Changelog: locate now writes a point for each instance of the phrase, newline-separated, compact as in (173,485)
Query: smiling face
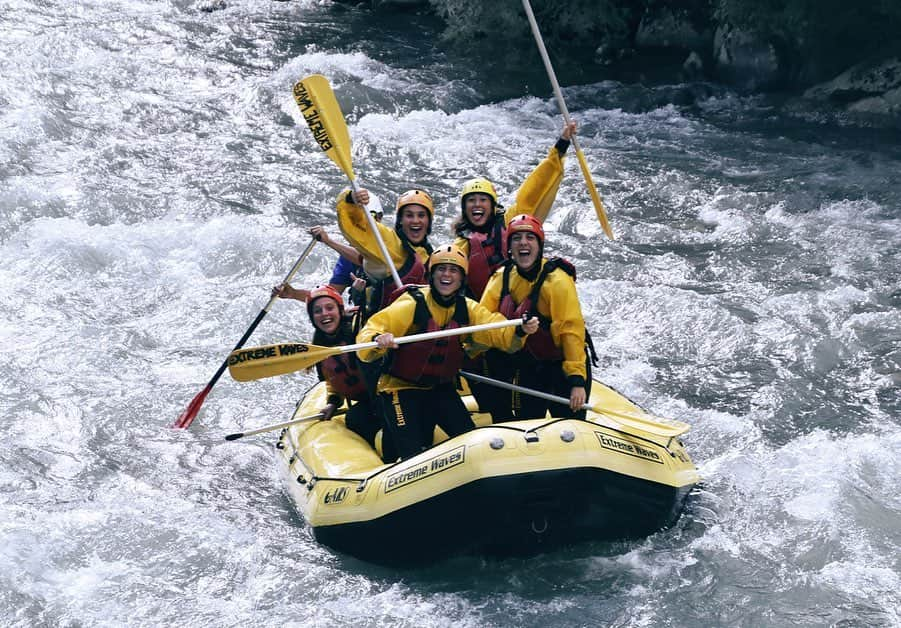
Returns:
(478,209)
(525,247)
(326,315)
(447,279)
(414,222)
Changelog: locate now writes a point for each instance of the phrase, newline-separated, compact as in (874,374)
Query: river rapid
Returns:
(156,180)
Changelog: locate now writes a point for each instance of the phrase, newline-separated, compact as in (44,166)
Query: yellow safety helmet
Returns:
(416,197)
(449,254)
(479,185)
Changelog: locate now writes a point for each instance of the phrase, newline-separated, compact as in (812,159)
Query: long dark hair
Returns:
(346,332)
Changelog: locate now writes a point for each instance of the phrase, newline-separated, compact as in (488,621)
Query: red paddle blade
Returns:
(184,420)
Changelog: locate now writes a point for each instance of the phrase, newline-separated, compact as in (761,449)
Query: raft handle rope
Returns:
(315,479)
(533,432)
(543,528)
(529,434)
(310,479)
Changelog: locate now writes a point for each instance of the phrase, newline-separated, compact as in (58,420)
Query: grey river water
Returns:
(156,180)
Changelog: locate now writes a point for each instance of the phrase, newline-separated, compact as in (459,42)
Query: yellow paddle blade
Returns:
(322,113)
(595,197)
(270,360)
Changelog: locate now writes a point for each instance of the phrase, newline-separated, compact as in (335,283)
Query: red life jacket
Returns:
(540,344)
(342,371)
(384,292)
(487,252)
(430,361)
(344,376)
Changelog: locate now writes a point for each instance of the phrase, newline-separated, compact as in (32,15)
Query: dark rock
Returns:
(693,67)
(667,27)
(871,87)
(607,54)
(746,61)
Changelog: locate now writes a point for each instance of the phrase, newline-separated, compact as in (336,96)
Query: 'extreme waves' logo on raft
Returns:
(426,469)
(261,353)
(625,447)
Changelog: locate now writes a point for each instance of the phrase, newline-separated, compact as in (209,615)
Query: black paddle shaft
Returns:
(240,344)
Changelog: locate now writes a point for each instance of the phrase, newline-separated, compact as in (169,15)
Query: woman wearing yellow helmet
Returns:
(481,227)
(416,390)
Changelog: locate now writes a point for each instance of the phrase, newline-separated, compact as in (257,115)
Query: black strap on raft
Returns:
(505,283)
(497,239)
(550,266)
(356,321)
(590,344)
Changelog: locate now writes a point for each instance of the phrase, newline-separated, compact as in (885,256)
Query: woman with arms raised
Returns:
(482,225)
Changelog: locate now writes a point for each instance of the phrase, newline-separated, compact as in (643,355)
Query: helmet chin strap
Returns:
(488,226)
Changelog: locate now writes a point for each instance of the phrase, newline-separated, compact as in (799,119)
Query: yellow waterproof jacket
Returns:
(536,195)
(558,302)
(355,229)
(397,319)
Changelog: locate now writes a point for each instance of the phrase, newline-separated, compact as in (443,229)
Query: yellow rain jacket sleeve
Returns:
(397,319)
(538,192)
(559,302)
(355,229)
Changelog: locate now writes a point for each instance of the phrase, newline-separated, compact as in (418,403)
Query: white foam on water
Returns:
(801,492)
(158,181)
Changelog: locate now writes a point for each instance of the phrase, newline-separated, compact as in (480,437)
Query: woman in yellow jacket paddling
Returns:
(554,359)
(417,387)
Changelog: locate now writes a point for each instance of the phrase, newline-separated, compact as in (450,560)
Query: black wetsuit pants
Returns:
(412,414)
(545,376)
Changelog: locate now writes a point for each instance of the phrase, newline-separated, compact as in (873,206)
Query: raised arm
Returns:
(344,250)
(538,192)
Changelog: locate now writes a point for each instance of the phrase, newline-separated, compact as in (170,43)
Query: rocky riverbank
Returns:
(844,55)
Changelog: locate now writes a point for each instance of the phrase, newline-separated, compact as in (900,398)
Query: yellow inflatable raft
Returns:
(508,488)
